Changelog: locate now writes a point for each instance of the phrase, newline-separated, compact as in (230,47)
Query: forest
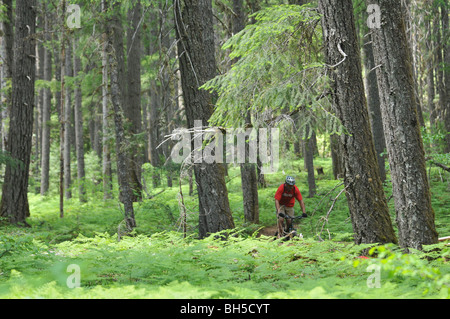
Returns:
(142,144)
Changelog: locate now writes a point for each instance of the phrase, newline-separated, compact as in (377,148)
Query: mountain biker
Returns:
(285,198)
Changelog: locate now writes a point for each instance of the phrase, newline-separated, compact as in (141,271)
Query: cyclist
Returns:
(285,198)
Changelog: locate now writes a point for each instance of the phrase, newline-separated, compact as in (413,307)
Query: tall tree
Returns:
(133,106)
(438,41)
(8,43)
(195,35)
(308,145)
(367,203)
(14,203)
(67,115)
(46,107)
(373,103)
(446,59)
(61,96)
(249,179)
(106,153)
(430,69)
(117,75)
(78,119)
(415,216)
(154,113)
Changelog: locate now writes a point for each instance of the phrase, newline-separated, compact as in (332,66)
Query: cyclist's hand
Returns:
(304,215)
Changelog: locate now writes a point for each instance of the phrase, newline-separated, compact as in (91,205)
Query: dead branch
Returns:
(325,219)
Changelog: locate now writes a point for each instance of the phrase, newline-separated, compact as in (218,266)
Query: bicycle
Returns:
(289,232)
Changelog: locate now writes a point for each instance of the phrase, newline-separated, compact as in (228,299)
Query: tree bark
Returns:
(336,156)
(411,191)
(440,88)
(62,74)
(14,203)
(309,161)
(249,181)
(411,41)
(46,112)
(78,114)
(133,108)
(106,153)
(373,103)
(115,59)
(366,200)
(67,122)
(154,114)
(8,39)
(195,34)
(446,58)
(430,72)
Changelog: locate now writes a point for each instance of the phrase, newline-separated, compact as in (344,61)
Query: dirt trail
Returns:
(268,231)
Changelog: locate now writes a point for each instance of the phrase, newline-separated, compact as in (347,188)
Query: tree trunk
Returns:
(67,123)
(249,181)
(133,109)
(166,88)
(367,204)
(106,153)
(336,157)
(79,144)
(411,41)
(61,106)
(446,58)
(8,39)
(430,73)
(373,103)
(40,64)
(439,59)
(154,113)
(309,162)
(14,203)
(115,59)
(415,216)
(195,35)
(46,112)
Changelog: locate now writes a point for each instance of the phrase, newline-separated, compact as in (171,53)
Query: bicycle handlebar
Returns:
(290,217)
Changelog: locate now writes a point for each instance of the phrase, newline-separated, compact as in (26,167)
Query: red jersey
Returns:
(288,198)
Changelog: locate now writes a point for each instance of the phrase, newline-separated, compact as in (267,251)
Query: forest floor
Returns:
(156,261)
(268,231)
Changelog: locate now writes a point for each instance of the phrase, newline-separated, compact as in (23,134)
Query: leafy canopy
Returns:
(277,70)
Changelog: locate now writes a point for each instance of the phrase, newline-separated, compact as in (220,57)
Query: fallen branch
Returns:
(444,238)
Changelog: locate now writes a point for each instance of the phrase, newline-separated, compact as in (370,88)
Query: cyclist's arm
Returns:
(277,198)
(277,205)
(302,205)
(299,197)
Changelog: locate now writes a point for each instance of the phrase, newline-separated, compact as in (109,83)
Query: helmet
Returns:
(290,180)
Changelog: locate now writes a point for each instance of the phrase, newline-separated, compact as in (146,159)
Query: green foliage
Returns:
(165,265)
(434,141)
(414,268)
(155,261)
(278,69)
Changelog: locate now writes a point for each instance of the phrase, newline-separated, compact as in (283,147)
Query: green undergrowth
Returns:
(156,261)
(166,265)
